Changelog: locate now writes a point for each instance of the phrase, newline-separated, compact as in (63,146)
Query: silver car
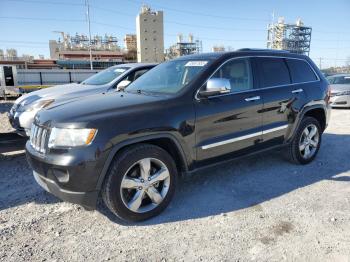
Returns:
(340,90)
(22,113)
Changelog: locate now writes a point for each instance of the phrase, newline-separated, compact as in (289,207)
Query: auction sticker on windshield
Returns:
(196,63)
(119,70)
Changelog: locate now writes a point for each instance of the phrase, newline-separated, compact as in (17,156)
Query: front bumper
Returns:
(70,177)
(86,199)
(340,101)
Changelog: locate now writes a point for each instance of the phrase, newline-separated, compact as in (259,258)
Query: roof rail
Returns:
(262,50)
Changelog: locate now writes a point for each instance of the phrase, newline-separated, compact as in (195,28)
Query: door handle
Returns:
(297,91)
(253,98)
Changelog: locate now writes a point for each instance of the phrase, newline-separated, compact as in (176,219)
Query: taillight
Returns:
(328,97)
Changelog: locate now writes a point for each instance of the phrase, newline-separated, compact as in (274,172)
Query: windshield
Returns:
(105,76)
(169,77)
(334,80)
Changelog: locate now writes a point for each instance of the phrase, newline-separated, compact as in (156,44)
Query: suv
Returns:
(22,113)
(194,111)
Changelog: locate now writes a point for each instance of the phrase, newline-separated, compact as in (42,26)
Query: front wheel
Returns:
(306,142)
(140,183)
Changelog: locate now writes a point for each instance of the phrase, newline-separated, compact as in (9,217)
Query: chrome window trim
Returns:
(240,138)
(263,88)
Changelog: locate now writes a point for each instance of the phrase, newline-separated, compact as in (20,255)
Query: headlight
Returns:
(344,93)
(38,105)
(66,137)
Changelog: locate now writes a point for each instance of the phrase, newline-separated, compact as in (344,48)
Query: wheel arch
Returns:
(165,141)
(318,111)
(319,114)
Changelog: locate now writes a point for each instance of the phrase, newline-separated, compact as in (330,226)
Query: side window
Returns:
(130,77)
(140,73)
(300,71)
(238,72)
(273,72)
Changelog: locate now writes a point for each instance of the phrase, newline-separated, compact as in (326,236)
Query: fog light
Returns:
(61,175)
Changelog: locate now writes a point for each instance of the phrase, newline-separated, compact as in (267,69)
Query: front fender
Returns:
(116,148)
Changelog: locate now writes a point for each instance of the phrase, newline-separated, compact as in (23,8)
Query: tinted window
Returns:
(238,72)
(136,74)
(300,71)
(273,72)
(139,73)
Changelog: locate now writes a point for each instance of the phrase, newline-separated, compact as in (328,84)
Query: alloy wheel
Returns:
(145,185)
(309,141)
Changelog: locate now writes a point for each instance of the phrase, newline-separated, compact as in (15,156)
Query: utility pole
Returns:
(88,20)
(320,63)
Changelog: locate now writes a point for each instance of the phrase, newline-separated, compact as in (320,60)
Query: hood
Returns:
(95,107)
(63,92)
(340,88)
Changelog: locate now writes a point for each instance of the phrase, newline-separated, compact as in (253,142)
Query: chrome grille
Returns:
(38,138)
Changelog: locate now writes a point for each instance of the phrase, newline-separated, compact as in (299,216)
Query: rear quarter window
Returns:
(300,71)
(273,72)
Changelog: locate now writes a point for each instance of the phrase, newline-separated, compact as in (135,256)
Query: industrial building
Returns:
(73,51)
(130,42)
(218,49)
(182,47)
(11,58)
(150,35)
(11,54)
(295,38)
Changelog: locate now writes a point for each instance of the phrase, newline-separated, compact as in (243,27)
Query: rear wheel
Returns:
(306,142)
(140,183)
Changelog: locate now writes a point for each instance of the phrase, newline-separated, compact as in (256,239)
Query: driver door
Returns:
(230,122)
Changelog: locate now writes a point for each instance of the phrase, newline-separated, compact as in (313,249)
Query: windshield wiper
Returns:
(137,91)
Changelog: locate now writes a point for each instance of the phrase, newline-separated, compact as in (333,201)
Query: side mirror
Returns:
(123,84)
(216,86)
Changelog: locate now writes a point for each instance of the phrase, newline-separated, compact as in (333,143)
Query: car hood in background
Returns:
(73,90)
(339,88)
(64,92)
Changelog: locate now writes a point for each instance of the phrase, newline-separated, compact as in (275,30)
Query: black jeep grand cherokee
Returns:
(182,115)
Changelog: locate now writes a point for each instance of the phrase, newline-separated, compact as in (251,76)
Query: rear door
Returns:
(229,122)
(304,78)
(282,98)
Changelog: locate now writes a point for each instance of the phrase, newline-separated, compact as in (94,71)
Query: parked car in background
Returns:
(183,115)
(22,113)
(340,90)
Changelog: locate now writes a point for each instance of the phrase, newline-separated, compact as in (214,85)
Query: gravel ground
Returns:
(260,208)
(5,107)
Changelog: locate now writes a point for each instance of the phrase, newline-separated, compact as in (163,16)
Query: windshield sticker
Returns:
(196,63)
(119,70)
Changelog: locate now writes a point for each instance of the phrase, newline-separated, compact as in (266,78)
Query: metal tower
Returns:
(295,38)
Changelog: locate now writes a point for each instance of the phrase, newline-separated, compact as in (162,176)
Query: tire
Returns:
(122,195)
(294,153)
